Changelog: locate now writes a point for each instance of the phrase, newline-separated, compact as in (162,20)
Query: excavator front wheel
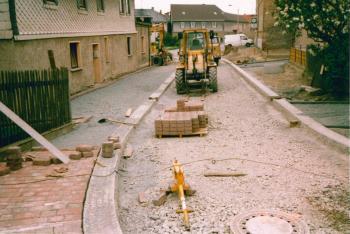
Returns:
(180,81)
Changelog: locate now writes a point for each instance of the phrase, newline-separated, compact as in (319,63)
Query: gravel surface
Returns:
(285,167)
(112,102)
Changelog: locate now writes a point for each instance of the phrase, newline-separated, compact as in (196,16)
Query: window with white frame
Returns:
(182,25)
(100,5)
(75,57)
(82,4)
(204,24)
(127,7)
(213,24)
(52,2)
(122,6)
(193,24)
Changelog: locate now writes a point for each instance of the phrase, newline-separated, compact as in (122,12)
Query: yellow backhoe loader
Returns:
(159,55)
(196,67)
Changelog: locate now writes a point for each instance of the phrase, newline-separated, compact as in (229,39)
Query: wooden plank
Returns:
(15,118)
(201,132)
(224,174)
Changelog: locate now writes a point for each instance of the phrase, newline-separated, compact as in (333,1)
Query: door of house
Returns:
(96,62)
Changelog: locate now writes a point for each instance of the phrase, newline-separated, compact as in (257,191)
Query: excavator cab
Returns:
(196,62)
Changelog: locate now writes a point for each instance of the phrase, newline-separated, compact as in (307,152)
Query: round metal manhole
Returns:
(268,222)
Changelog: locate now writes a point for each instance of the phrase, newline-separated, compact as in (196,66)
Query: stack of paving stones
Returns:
(187,118)
(84,151)
(14,158)
(44,158)
(116,142)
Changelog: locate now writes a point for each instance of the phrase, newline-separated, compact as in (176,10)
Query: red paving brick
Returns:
(49,201)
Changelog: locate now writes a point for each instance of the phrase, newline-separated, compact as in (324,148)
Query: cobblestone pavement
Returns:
(32,201)
(286,168)
(112,102)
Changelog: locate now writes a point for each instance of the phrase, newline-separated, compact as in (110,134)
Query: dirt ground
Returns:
(286,169)
(288,83)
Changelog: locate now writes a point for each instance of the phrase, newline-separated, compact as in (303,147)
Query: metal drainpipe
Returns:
(13,17)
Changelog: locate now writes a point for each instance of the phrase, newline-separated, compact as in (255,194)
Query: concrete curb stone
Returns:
(292,113)
(100,213)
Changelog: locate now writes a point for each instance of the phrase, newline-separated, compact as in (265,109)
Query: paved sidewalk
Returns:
(112,102)
(33,201)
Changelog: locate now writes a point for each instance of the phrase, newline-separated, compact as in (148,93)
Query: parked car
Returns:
(238,40)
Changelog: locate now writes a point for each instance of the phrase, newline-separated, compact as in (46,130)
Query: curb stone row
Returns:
(292,113)
(100,213)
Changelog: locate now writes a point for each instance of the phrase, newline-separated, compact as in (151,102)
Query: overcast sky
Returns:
(244,6)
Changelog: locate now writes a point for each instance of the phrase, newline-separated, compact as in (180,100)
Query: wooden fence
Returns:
(41,98)
(298,56)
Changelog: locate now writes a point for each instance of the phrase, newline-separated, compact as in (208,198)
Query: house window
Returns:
(122,6)
(51,2)
(182,25)
(193,24)
(142,45)
(75,58)
(107,56)
(100,5)
(127,8)
(213,24)
(128,40)
(82,4)
(204,24)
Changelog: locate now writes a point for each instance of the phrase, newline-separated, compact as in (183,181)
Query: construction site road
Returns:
(282,168)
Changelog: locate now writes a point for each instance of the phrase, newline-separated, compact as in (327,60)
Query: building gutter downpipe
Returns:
(13,17)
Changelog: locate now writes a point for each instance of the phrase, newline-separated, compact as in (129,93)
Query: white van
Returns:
(238,40)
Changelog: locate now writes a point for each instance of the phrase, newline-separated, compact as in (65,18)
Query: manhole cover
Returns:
(268,222)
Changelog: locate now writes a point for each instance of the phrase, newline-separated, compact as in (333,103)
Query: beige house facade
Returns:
(268,36)
(96,40)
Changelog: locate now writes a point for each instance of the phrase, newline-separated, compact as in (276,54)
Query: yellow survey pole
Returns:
(180,188)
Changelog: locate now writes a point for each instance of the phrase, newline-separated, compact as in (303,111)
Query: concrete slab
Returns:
(323,133)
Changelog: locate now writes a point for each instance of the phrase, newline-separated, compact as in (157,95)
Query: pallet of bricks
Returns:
(188,118)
